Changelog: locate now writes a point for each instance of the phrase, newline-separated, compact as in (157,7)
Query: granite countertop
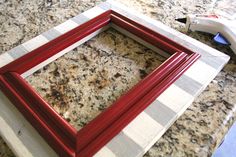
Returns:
(203,125)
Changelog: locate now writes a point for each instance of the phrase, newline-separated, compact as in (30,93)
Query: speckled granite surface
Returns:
(201,128)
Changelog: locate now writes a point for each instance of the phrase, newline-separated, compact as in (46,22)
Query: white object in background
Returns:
(225,30)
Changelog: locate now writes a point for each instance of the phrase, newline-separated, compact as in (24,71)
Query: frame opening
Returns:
(97,73)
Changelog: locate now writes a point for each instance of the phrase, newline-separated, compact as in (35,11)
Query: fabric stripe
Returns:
(201,72)
(135,129)
(80,19)
(51,34)
(214,62)
(95,11)
(123,146)
(18,51)
(160,113)
(105,152)
(105,6)
(174,98)
(188,85)
(5,58)
(35,43)
(66,26)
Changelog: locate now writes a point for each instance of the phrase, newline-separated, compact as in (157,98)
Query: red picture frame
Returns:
(57,132)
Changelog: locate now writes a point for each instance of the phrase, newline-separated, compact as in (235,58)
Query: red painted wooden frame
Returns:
(58,133)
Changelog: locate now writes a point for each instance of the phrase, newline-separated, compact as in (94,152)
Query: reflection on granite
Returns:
(87,80)
(202,126)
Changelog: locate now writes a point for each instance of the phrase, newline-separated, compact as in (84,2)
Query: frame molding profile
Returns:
(57,132)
